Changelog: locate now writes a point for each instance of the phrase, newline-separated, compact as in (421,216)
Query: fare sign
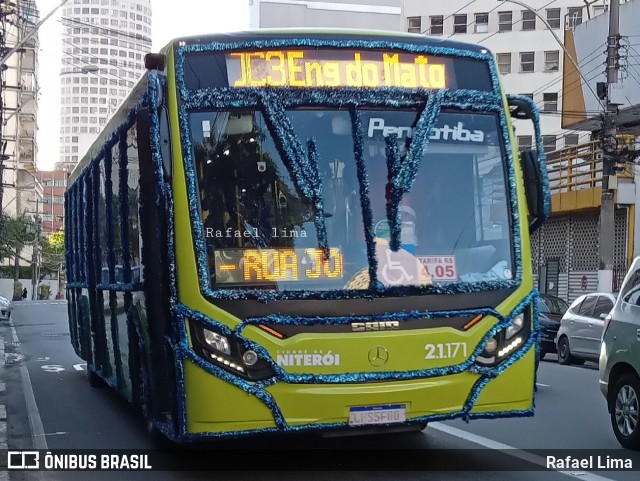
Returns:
(335,68)
(441,268)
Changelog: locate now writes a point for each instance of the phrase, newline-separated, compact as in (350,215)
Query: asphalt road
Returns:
(50,405)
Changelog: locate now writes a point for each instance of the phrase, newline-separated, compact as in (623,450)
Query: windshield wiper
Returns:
(402,171)
(302,164)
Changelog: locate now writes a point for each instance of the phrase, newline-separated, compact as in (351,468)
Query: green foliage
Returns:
(7,272)
(44,291)
(52,252)
(16,233)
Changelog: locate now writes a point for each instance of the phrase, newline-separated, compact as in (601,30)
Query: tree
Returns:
(52,252)
(17,233)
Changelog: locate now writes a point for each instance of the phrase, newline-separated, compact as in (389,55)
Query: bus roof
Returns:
(329,34)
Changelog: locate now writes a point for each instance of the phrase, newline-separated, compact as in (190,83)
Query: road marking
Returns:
(52,368)
(542,385)
(35,421)
(512,451)
(42,359)
(80,367)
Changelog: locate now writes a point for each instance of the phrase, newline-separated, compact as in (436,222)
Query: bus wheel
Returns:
(94,380)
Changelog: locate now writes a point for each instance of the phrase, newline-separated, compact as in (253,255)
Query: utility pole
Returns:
(35,274)
(609,155)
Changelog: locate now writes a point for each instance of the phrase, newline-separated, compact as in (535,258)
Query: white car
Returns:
(5,308)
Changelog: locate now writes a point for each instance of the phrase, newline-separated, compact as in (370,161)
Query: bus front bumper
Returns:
(215,407)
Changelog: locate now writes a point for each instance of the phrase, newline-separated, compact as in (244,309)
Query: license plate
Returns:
(381,414)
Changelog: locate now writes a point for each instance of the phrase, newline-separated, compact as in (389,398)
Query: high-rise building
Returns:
(103,48)
(529,57)
(18,108)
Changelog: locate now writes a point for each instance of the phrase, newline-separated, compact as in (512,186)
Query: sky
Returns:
(170,19)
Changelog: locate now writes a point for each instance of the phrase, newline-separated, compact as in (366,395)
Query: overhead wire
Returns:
(116,34)
(514,23)
(449,16)
(100,58)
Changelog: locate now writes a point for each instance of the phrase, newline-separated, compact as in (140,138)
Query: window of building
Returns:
(525,142)
(549,143)
(553,17)
(505,21)
(528,20)
(482,23)
(574,18)
(571,139)
(414,24)
(552,61)
(436,23)
(550,102)
(504,63)
(460,23)
(527,61)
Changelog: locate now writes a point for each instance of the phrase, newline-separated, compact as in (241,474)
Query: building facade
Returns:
(373,14)
(103,48)
(54,183)
(529,57)
(21,191)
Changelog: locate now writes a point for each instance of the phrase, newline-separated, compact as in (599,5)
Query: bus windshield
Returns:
(260,228)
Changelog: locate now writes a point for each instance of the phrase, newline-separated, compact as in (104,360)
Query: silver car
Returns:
(581,328)
(620,361)
(5,308)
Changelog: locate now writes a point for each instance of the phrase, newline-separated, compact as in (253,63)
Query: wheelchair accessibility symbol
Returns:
(399,268)
(394,273)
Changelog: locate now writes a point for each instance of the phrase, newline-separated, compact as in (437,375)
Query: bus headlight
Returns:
(226,352)
(506,341)
(515,327)
(217,341)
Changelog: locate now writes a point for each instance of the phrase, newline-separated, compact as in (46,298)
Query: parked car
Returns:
(5,308)
(550,312)
(581,328)
(620,361)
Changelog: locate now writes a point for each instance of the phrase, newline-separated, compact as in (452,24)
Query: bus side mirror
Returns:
(533,188)
(533,163)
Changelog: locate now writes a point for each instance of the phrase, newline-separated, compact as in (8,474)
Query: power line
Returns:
(100,58)
(560,78)
(113,32)
(514,23)
(451,15)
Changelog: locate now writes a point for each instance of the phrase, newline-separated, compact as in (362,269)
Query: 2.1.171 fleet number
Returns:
(445,350)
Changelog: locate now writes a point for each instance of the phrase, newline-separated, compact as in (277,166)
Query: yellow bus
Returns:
(290,230)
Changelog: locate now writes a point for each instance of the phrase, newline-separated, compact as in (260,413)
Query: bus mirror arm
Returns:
(520,109)
(534,190)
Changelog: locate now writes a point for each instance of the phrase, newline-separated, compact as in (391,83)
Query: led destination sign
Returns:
(336,68)
(259,266)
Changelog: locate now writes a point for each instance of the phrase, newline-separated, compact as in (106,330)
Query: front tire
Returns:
(625,409)
(564,353)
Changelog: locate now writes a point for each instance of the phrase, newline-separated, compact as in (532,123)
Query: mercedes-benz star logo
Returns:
(378,356)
